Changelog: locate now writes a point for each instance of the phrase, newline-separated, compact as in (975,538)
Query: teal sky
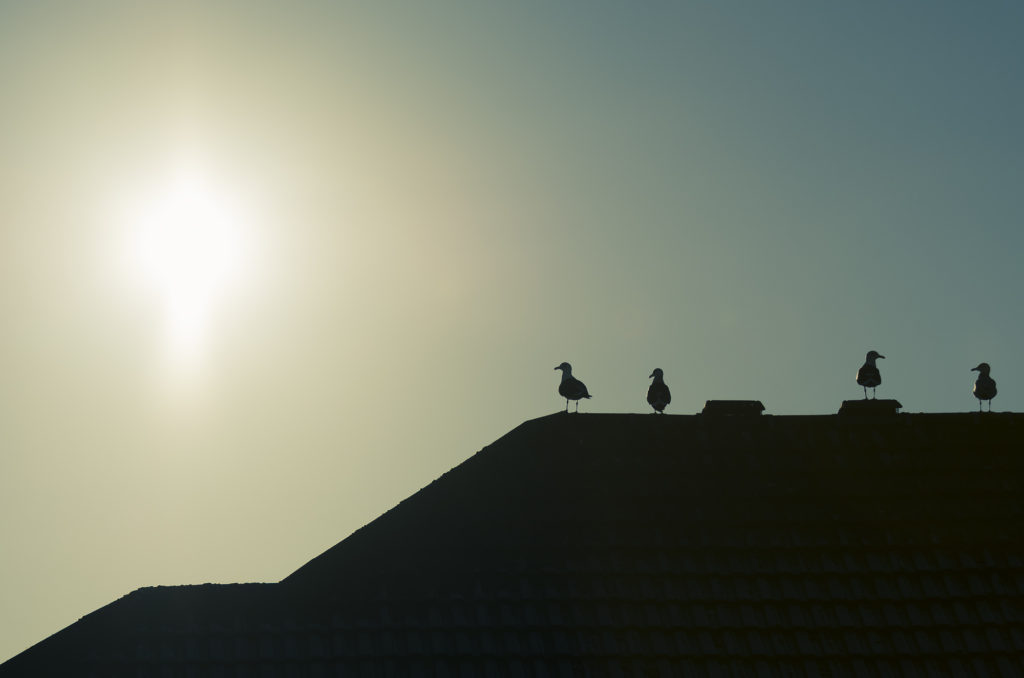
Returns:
(432,205)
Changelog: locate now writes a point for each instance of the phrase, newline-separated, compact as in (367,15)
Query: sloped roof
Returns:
(634,545)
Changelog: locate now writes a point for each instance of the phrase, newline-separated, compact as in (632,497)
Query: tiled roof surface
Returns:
(605,545)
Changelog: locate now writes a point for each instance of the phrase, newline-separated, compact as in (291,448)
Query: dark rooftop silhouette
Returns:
(634,545)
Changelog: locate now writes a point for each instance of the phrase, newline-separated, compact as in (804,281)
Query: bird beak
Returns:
(881,356)
(974,369)
(650,375)
(557,367)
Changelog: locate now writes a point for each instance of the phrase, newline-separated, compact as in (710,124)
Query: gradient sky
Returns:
(433,204)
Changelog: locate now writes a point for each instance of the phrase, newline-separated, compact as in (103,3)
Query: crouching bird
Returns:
(571,388)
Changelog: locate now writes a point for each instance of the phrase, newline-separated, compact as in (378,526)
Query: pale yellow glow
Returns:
(189,247)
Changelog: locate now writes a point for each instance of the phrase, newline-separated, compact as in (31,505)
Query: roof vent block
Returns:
(870,408)
(733,408)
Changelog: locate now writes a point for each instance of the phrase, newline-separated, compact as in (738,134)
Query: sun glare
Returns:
(189,246)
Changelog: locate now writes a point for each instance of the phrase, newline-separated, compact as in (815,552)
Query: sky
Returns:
(268,268)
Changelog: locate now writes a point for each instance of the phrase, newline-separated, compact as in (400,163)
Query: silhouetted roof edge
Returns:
(169,604)
(523,428)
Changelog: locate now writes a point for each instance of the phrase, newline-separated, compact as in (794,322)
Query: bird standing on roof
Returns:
(985,386)
(658,395)
(571,388)
(868,375)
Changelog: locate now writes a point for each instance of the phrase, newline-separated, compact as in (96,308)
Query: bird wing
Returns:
(869,376)
(658,394)
(985,388)
(573,389)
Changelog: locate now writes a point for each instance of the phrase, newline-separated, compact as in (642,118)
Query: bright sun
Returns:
(188,244)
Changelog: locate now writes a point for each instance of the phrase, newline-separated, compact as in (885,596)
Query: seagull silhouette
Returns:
(571,388)
(658,395)
(868,375)
(985,386)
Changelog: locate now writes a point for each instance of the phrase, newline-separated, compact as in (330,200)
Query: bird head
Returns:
(656,373)
(872,355)
(565,367)
(983,368)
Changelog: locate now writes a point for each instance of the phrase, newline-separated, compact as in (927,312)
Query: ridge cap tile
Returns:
(1017,638)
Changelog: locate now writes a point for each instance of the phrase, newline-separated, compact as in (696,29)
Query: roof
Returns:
(634,545)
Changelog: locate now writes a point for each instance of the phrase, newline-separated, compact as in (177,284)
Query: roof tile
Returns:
(879,643)
(846,616)
(974,641)
(979,585)
(1017,638)
(808,644)
(870,616)
(1003,585)
(983,667)
(758,643)
(888,669)
(965,614)
(784,644)
(998,639)
(707,643)
(895,615)
(1010,666)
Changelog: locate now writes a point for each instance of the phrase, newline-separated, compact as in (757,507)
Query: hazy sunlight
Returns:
(189,248)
